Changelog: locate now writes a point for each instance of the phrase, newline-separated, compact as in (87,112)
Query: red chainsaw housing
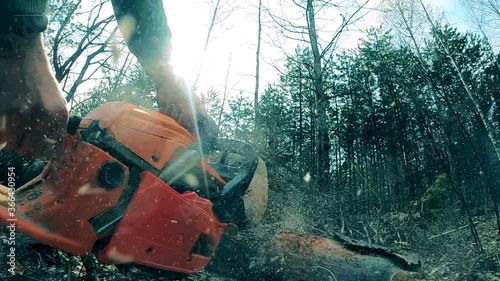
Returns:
(57,210)
(160,227)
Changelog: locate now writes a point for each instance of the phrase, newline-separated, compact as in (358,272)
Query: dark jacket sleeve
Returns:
(144,26)
(22,17)
(26,7)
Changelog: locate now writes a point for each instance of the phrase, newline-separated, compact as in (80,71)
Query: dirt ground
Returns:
(452,256)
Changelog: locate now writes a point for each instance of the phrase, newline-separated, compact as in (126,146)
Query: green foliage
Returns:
(398,121)
(238,120)
(438,194)
(213,103)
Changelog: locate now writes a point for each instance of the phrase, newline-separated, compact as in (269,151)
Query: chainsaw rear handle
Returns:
(238,177)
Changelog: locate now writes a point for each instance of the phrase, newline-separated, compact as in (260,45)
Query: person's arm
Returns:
(33,112)
(144,26)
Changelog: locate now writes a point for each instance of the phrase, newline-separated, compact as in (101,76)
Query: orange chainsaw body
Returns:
(111,194)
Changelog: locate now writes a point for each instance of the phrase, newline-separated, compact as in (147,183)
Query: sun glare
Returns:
(185,62)
(187,20)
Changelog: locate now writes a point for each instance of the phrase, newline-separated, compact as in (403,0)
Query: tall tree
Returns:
(220,11)
(322,57)
(257,73)
(467,87)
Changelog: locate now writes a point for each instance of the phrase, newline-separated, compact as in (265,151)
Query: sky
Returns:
(235,39)
(231,51)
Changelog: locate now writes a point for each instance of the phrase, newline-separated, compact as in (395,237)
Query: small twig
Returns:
(79,275)
(31,278)
(367,235)
(450,231)
(90,267)
(357,231)
(374,230)
(35,179)
(69,271)
(399,236)
(38,260)
(331,273)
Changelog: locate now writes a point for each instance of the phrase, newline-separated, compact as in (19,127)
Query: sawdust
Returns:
(37,192)
(306,246)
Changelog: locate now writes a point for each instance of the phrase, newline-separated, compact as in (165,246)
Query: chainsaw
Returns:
(134,187)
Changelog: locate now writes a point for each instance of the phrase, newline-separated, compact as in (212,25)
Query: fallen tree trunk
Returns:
(296,256)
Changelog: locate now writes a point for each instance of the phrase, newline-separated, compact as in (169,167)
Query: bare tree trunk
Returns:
(221,11)
(219,120)
(88,62)
(57,39)
(76,41)
(447,167)
(256,132)
(407,16)
(323,141)
(207,41)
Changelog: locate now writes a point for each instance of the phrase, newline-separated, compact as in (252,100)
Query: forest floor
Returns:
(455,256)
(451,256)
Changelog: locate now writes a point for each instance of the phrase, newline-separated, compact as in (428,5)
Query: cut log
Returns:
(296,256)
(304,257)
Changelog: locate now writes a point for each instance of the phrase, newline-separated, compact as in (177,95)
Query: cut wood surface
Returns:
(256,196)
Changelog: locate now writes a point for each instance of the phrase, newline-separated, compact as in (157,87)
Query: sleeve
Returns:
(144,26)
(23,17)
(27,7)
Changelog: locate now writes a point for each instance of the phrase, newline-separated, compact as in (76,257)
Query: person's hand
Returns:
(175,98)
(33,113)
(35,133)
